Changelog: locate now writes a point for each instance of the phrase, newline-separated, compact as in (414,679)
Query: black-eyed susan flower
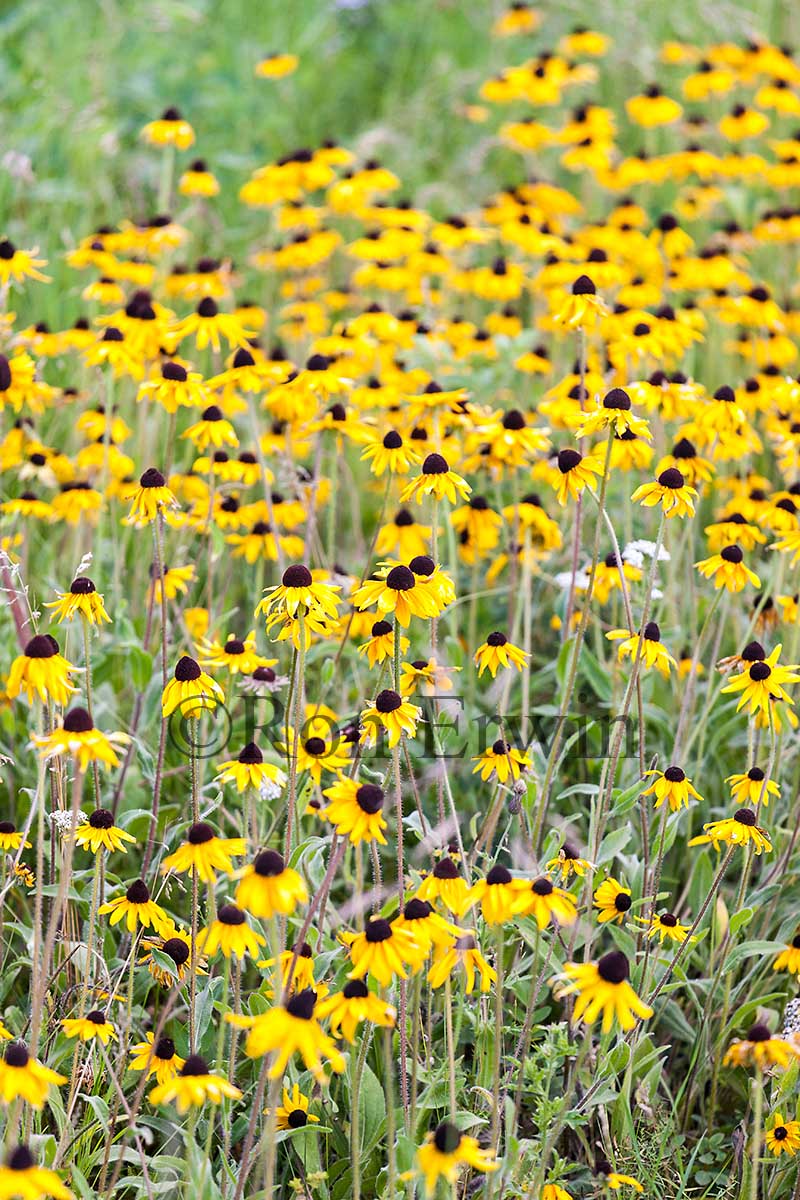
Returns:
(94,1025)
(293,1112)
(277,66)
(82,599)
(383,951)
(267,886)
(296,969)
(612,412)
(21,1177)
(653,108)
(41,670)
(18,265)
(249,770)
(230,934)
(403,536)
(762,683)
(603,987)
(752,787)
(446,883)
(437,480)
(170,129)
(209,325)
(789,957)
(176,945)
(499,895)
(391,453)
(545,902)
(197,180)
(191,690)
(782,1136)
(23,1077)
(380,645)
(496,652)
(576,472)
(463,955)
(351,1006)
(151,498)
(666,927)
(613,1180)
(583,307)
(426,926)
(397,590)
(137,908)
(612,901)
(77,736)
(11,838)
(100,833)
(501,760)
(739,830)
(320,748)
(389,712)
(204,852)
(174,388)
(356,810)
(237,655)
(299,590)
(728,570)
(671,491)
(761,1047)
(568,862)
(446,1151)
(652,653)
(287,1029)
(671,785)
(193,1086)
(158,1058)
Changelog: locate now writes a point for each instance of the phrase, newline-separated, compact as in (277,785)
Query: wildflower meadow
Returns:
(399,616)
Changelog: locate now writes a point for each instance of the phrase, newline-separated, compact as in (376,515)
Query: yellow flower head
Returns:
(20,1176)
(157,1058)
(287,1029)
(762,1048)
(94,1025)
(82,599)
(170,129)
(739,830)
(671,491)
(230,934)
(391,713)
(673,786)
(100,833)
(78,737)
(150,499)
(728,570)
(193,1086)
(436,480)
(446,1151)
(267,886)
(577,472)
(191,690)
(351,1006)
(204,853)
(41,671)
(603,987)
(356,810)
(782,1137)
(22,1077)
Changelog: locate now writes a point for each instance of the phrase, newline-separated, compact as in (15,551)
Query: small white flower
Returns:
(63,821)
(642,549)
(564,580)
